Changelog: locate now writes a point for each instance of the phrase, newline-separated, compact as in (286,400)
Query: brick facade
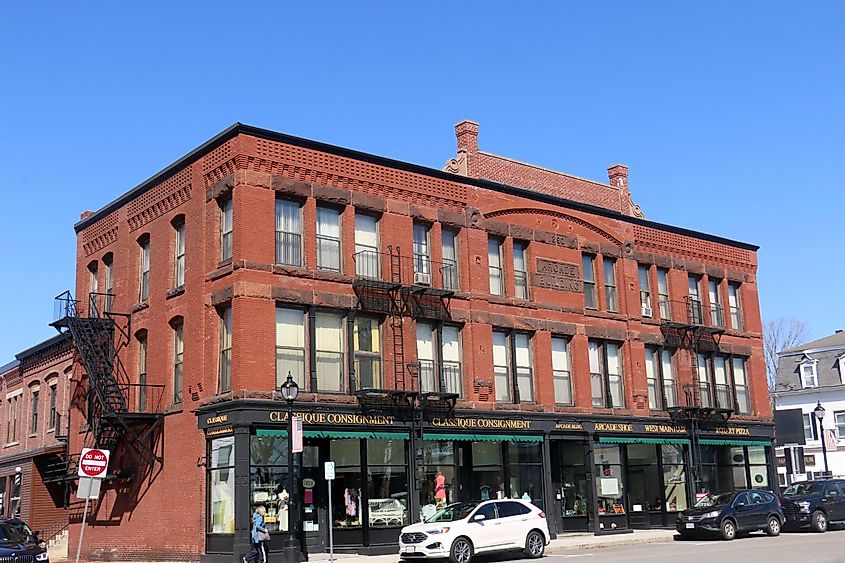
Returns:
(255,167)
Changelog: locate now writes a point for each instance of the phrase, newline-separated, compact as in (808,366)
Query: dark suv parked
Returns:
(814,504)
(729,514)
(18,543)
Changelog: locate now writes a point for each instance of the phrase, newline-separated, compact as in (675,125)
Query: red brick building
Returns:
(494,329)
(34,390)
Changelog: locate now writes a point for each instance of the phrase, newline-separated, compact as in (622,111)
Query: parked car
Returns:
(461,530)
(814,504)
(729,514)
(19,543)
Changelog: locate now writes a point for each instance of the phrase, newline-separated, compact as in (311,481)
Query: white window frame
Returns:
(812,364)
(495,271)
(288,232)
(226,228)
(367,243)
(326,257)
(179,255)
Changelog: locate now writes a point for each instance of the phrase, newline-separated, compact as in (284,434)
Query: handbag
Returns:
(263,536)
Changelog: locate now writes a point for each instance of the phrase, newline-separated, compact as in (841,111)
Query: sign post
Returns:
(329,477)
(93,465)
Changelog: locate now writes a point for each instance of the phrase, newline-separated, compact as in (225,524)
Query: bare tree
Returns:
(779,335)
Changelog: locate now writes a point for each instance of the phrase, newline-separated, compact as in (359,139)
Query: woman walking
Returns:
(260,536)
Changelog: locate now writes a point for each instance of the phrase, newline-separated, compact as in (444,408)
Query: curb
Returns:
(602,544)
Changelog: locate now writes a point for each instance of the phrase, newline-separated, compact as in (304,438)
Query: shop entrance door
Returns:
(638,509)
(314,492)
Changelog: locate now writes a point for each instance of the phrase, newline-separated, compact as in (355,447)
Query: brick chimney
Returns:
(466,132)
(618,177)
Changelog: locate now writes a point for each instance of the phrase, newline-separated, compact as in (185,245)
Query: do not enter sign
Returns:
(93,463)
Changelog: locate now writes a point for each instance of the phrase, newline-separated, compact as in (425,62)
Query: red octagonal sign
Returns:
(93,463)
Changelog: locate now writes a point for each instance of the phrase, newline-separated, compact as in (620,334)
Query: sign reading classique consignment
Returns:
(561,276)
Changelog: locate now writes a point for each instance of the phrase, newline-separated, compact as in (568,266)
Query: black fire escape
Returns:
(686,327)
(123,417)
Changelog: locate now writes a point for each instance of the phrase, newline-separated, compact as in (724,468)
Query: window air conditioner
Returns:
(646,311)
(422,278)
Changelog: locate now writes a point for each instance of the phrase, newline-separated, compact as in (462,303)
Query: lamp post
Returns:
(819,412)
(290,390)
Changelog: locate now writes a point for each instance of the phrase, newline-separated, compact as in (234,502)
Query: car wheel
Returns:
(728,530)
(535,544)
(819,521)
(461,551)
(773,526)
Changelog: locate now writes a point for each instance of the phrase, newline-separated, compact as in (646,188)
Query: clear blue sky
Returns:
(729,114)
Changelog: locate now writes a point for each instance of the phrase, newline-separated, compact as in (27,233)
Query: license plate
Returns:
(690,526)
(409,549)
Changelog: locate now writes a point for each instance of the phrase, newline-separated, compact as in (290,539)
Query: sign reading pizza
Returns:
(93,463)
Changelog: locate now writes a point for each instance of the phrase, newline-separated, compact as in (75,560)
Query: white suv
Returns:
(463,529)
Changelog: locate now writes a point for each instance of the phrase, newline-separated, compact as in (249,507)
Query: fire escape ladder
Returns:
(397,324)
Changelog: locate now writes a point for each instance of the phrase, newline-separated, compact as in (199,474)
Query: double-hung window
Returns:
(450,259)
(839,421)
(142,372)
(494,261)
(520,269)
(561,371)
(703,370)
(439,356)
(366,247)
(51,417)
(808,374)
(368,364)
(328,239)
(606,374)
(723,388)
(734,306)
(588,265)
(660,374)
(226,229)
(716,314)
(108,281)
(740,381)
(610,301)
(696,312)
(645,291)
(179,254)
(810,430)
(93,289)
(33,422)
(224,370)
(329,352)
(512,366)
(663,294)
(144,281)
(290,346)
(178,358)
(422,254)
(288,232)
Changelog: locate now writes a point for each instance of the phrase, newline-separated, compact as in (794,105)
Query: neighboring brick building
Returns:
(34,390)
(495,329)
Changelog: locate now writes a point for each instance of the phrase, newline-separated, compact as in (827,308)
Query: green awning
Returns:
(272,433)
(336,434)
(634,440)
(481,437)
(725,442)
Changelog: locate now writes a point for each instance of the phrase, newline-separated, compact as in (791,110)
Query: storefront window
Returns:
(387,476)
(674,477)
(609,486)
(438,486)
(525,460)
(346,491)
(487,470)
(15,496)
(573,479)
(221,475)
(759,469)
(644,483)
(269,479)
(731,468)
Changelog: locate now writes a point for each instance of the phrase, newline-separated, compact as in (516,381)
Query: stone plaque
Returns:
(561,276)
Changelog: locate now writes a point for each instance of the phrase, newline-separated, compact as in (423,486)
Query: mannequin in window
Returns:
(440,490)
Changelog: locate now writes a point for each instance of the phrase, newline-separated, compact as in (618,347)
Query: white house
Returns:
(810,375)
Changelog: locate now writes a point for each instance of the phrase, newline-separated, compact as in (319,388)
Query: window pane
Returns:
(560,368)
(425,356)
(523,353)
(366,247)
(500,366)
(614,365)
(329,351)
(388,504)
(450,259)
(290,345)
(328,238)
(669,391)
(288,232)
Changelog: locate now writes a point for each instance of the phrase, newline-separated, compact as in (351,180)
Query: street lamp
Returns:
(290,390)
(819,412)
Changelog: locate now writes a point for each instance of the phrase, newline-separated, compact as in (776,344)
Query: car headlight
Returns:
(803,506)
(41,557)
(712,514)
(434,531)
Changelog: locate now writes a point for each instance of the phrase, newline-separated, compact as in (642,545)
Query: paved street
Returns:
(796,546)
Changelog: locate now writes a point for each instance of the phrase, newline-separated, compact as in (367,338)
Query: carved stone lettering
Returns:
(561,276)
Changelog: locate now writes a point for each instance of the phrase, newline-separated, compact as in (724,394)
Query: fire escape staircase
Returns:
(114,416)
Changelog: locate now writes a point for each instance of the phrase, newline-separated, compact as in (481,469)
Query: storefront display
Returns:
(221,486)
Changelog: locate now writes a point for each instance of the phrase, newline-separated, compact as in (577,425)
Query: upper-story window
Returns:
(367,346)
(520,269)
(494,261)
(33,421)
(224,369)
(328,239)
(329,344)
(723,383)
(839,421)
(51,417)
(645,290)
(178,359)
(703,373)
(366,247)
(93,288)
(12,421)
(422,254)
(450,258)
(611,303)
(663,294)
(743,400)
(561,371)
(290,346)
(142,371)
(716,313)
(439,357)
(108,280)
(606,374)
(660,374)
(588,265)
(512,367)
(179,254)
(809,377)
(226,226)
(734,306)
(696,311)
(144,281)
(288,232)
(810,431)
